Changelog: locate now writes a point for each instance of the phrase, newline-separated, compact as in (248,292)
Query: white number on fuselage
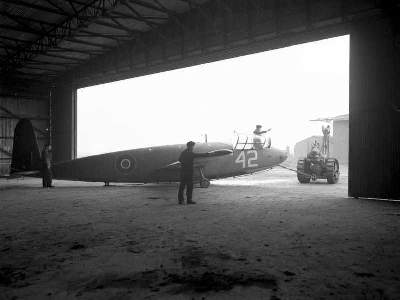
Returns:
(251,157)
(250,160)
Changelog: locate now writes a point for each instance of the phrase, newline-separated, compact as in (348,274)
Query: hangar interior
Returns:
(50,48)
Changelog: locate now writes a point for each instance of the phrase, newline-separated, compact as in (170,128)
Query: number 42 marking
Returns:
(251,157)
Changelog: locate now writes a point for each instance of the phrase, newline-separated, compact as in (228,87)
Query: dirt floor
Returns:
(259,237)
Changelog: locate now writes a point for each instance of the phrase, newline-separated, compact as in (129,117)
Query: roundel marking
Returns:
(125,164)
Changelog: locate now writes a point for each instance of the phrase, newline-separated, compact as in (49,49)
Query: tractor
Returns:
(318,164)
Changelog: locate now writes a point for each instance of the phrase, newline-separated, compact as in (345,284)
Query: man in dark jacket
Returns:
(46,167)
(186,159)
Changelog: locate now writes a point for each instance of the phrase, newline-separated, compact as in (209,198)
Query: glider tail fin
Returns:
(25,154)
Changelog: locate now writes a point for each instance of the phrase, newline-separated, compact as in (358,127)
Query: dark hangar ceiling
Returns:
(43,39)
(97,41)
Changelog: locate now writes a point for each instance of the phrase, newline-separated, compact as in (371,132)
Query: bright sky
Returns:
(281,89)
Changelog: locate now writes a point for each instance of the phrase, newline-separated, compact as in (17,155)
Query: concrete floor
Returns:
(258,237)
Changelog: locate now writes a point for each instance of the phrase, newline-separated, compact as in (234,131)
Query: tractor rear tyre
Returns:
(301,174)
(332,170)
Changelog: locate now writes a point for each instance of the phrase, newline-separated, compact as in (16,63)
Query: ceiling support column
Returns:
(63,120)
(374,141)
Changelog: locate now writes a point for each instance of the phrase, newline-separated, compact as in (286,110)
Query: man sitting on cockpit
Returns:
(258,130)
(258,138)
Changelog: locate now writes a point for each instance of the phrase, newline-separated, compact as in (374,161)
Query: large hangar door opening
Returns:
(282,89)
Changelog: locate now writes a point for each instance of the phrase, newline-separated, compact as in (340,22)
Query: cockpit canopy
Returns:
(246,141)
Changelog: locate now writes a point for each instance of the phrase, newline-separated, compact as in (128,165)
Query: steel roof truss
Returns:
(73,23)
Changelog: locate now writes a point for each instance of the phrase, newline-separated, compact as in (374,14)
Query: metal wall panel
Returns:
(374,150)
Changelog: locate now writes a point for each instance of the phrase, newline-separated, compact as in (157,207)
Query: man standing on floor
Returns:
(186,159)
(46,167)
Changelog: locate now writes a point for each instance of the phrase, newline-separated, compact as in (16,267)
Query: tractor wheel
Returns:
(301,175)
(332,170)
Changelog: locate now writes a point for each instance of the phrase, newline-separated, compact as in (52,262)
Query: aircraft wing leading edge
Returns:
(215,153)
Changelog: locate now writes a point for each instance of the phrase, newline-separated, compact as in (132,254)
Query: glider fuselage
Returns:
(152,164)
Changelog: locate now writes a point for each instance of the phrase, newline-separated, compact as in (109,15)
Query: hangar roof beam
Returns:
(60,31)
(87,52)
(74,40)
(170,14)
(151,25)
(37,7)
(63,11)
(18,18)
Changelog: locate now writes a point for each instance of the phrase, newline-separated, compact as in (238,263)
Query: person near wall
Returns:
(47,177)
